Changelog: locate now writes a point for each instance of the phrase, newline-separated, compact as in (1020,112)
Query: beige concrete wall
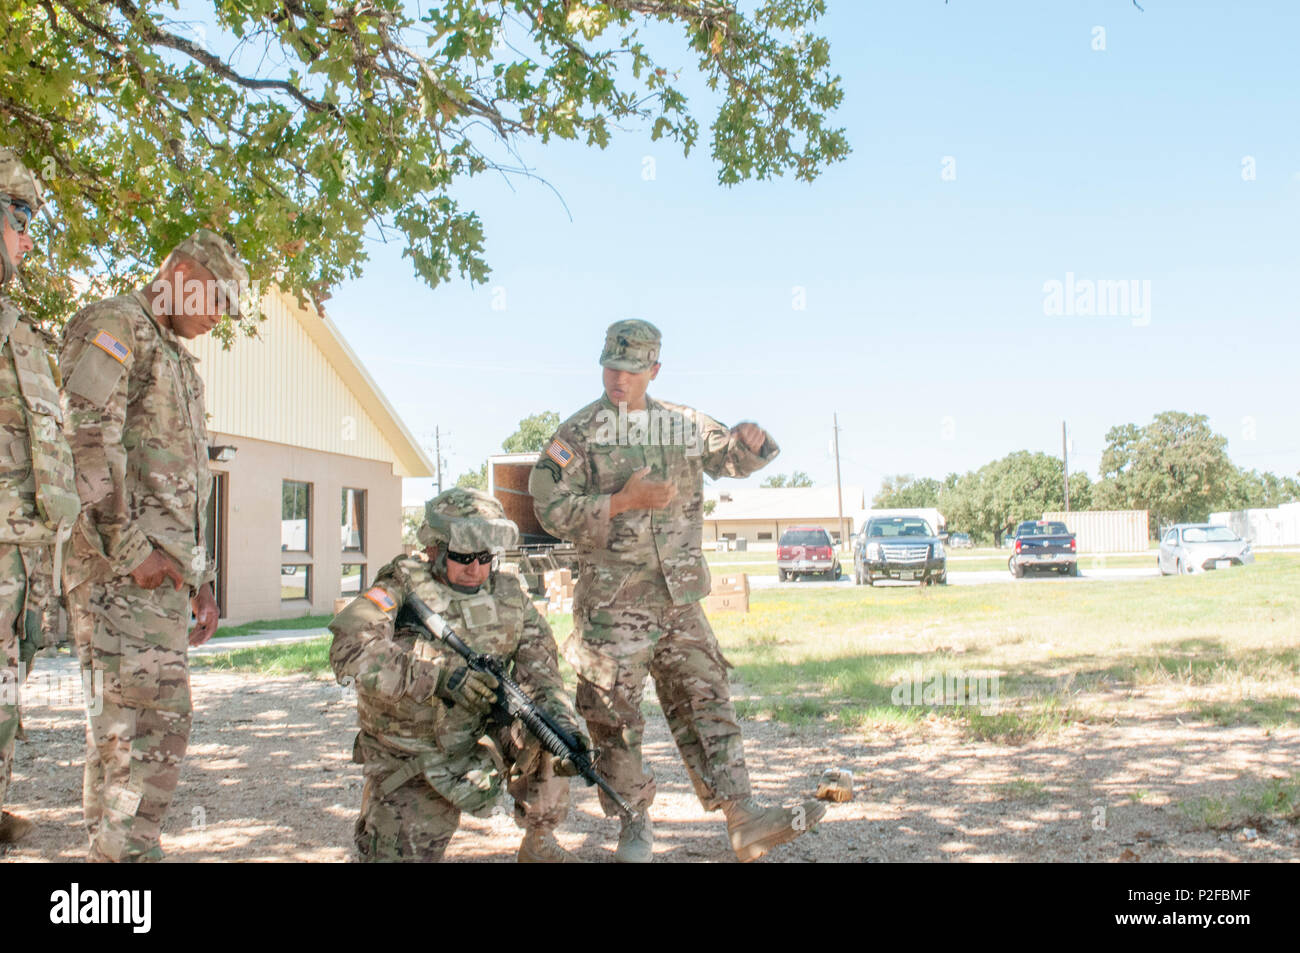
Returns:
(252,532)
(749,529)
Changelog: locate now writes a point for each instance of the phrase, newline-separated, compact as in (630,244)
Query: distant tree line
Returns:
(534,430)
(781,480)
(1176,467)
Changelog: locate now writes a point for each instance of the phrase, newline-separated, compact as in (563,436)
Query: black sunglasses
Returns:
(465,559)
(24,218)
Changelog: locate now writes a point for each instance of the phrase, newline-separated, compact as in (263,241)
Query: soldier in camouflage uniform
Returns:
(138,565)
(425,741)
(38,498)
(622,479)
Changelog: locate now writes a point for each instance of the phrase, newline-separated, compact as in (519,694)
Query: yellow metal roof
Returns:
(299,383)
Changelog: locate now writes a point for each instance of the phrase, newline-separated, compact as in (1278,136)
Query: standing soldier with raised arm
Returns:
(623,479)
(38,499)
(135,420)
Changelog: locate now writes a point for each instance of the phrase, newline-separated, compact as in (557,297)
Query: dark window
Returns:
(354,520)
(354,579)
(805,537)
(763,536)
(899,526)
(295,517)
(295,582)
(1042,528)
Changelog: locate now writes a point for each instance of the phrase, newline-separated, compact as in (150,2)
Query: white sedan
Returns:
(1200,547)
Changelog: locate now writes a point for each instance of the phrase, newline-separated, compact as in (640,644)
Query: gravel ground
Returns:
(268,777)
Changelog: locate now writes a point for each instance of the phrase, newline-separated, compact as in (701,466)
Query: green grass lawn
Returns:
(309,658)
(1223,646)
(273,625)
(835,656)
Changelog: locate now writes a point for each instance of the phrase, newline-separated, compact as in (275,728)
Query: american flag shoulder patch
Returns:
(560,452)
(111,346)
(381,598)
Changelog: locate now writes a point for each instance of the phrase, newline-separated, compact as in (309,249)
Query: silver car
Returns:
(1200,547)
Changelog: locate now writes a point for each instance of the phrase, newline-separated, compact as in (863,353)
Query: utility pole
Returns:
(437,455)
(1065,462)
(839,489)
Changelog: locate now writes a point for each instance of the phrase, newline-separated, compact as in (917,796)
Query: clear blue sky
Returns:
(924,326)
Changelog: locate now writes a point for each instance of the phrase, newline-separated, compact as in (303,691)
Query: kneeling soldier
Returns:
(428,749)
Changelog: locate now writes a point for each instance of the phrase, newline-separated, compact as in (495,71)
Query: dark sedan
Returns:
(899,547)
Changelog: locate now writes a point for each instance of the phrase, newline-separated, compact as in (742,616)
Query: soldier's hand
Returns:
(564,767)
(751,435)
(463,686)
(638,493)
(205,615)
(157,567)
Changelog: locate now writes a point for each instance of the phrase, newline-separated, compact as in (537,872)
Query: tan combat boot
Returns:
(539,846)
(754,829)
(13,828)
(636,841)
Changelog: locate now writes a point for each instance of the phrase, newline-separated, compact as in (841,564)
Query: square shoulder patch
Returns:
(99,369)
(111,346)
(560,452)
(380,597)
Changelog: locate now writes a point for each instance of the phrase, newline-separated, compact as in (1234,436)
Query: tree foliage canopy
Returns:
(796,479)
(1176,466)
(533,433)
(905,491)
(474,479)
(299,127)
(531,436)
(1020,486)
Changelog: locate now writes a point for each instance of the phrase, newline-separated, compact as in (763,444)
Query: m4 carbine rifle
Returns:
(513,702)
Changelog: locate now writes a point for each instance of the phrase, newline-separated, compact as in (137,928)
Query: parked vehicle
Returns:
(1201,547)
(1044,544)
(959,541)
(899,547)
(805,550)
(538,552)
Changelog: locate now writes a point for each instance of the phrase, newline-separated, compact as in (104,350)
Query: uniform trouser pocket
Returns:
(140,636)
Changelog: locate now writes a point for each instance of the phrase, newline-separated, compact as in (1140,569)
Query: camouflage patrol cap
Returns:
(467,521)
(17,181)
(218,256)
(631,345)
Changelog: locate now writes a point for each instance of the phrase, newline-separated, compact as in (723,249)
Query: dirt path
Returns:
(268,778)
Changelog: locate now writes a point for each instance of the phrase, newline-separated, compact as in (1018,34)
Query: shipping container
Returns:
(508,475)
(1107,531)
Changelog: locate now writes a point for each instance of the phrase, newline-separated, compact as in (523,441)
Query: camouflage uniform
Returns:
(136,423)
(642,574)
(38,497)
(426,760)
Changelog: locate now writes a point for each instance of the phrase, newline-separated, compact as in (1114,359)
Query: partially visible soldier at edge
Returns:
(38,497)
(425,742)
(138,562)
(623,480)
